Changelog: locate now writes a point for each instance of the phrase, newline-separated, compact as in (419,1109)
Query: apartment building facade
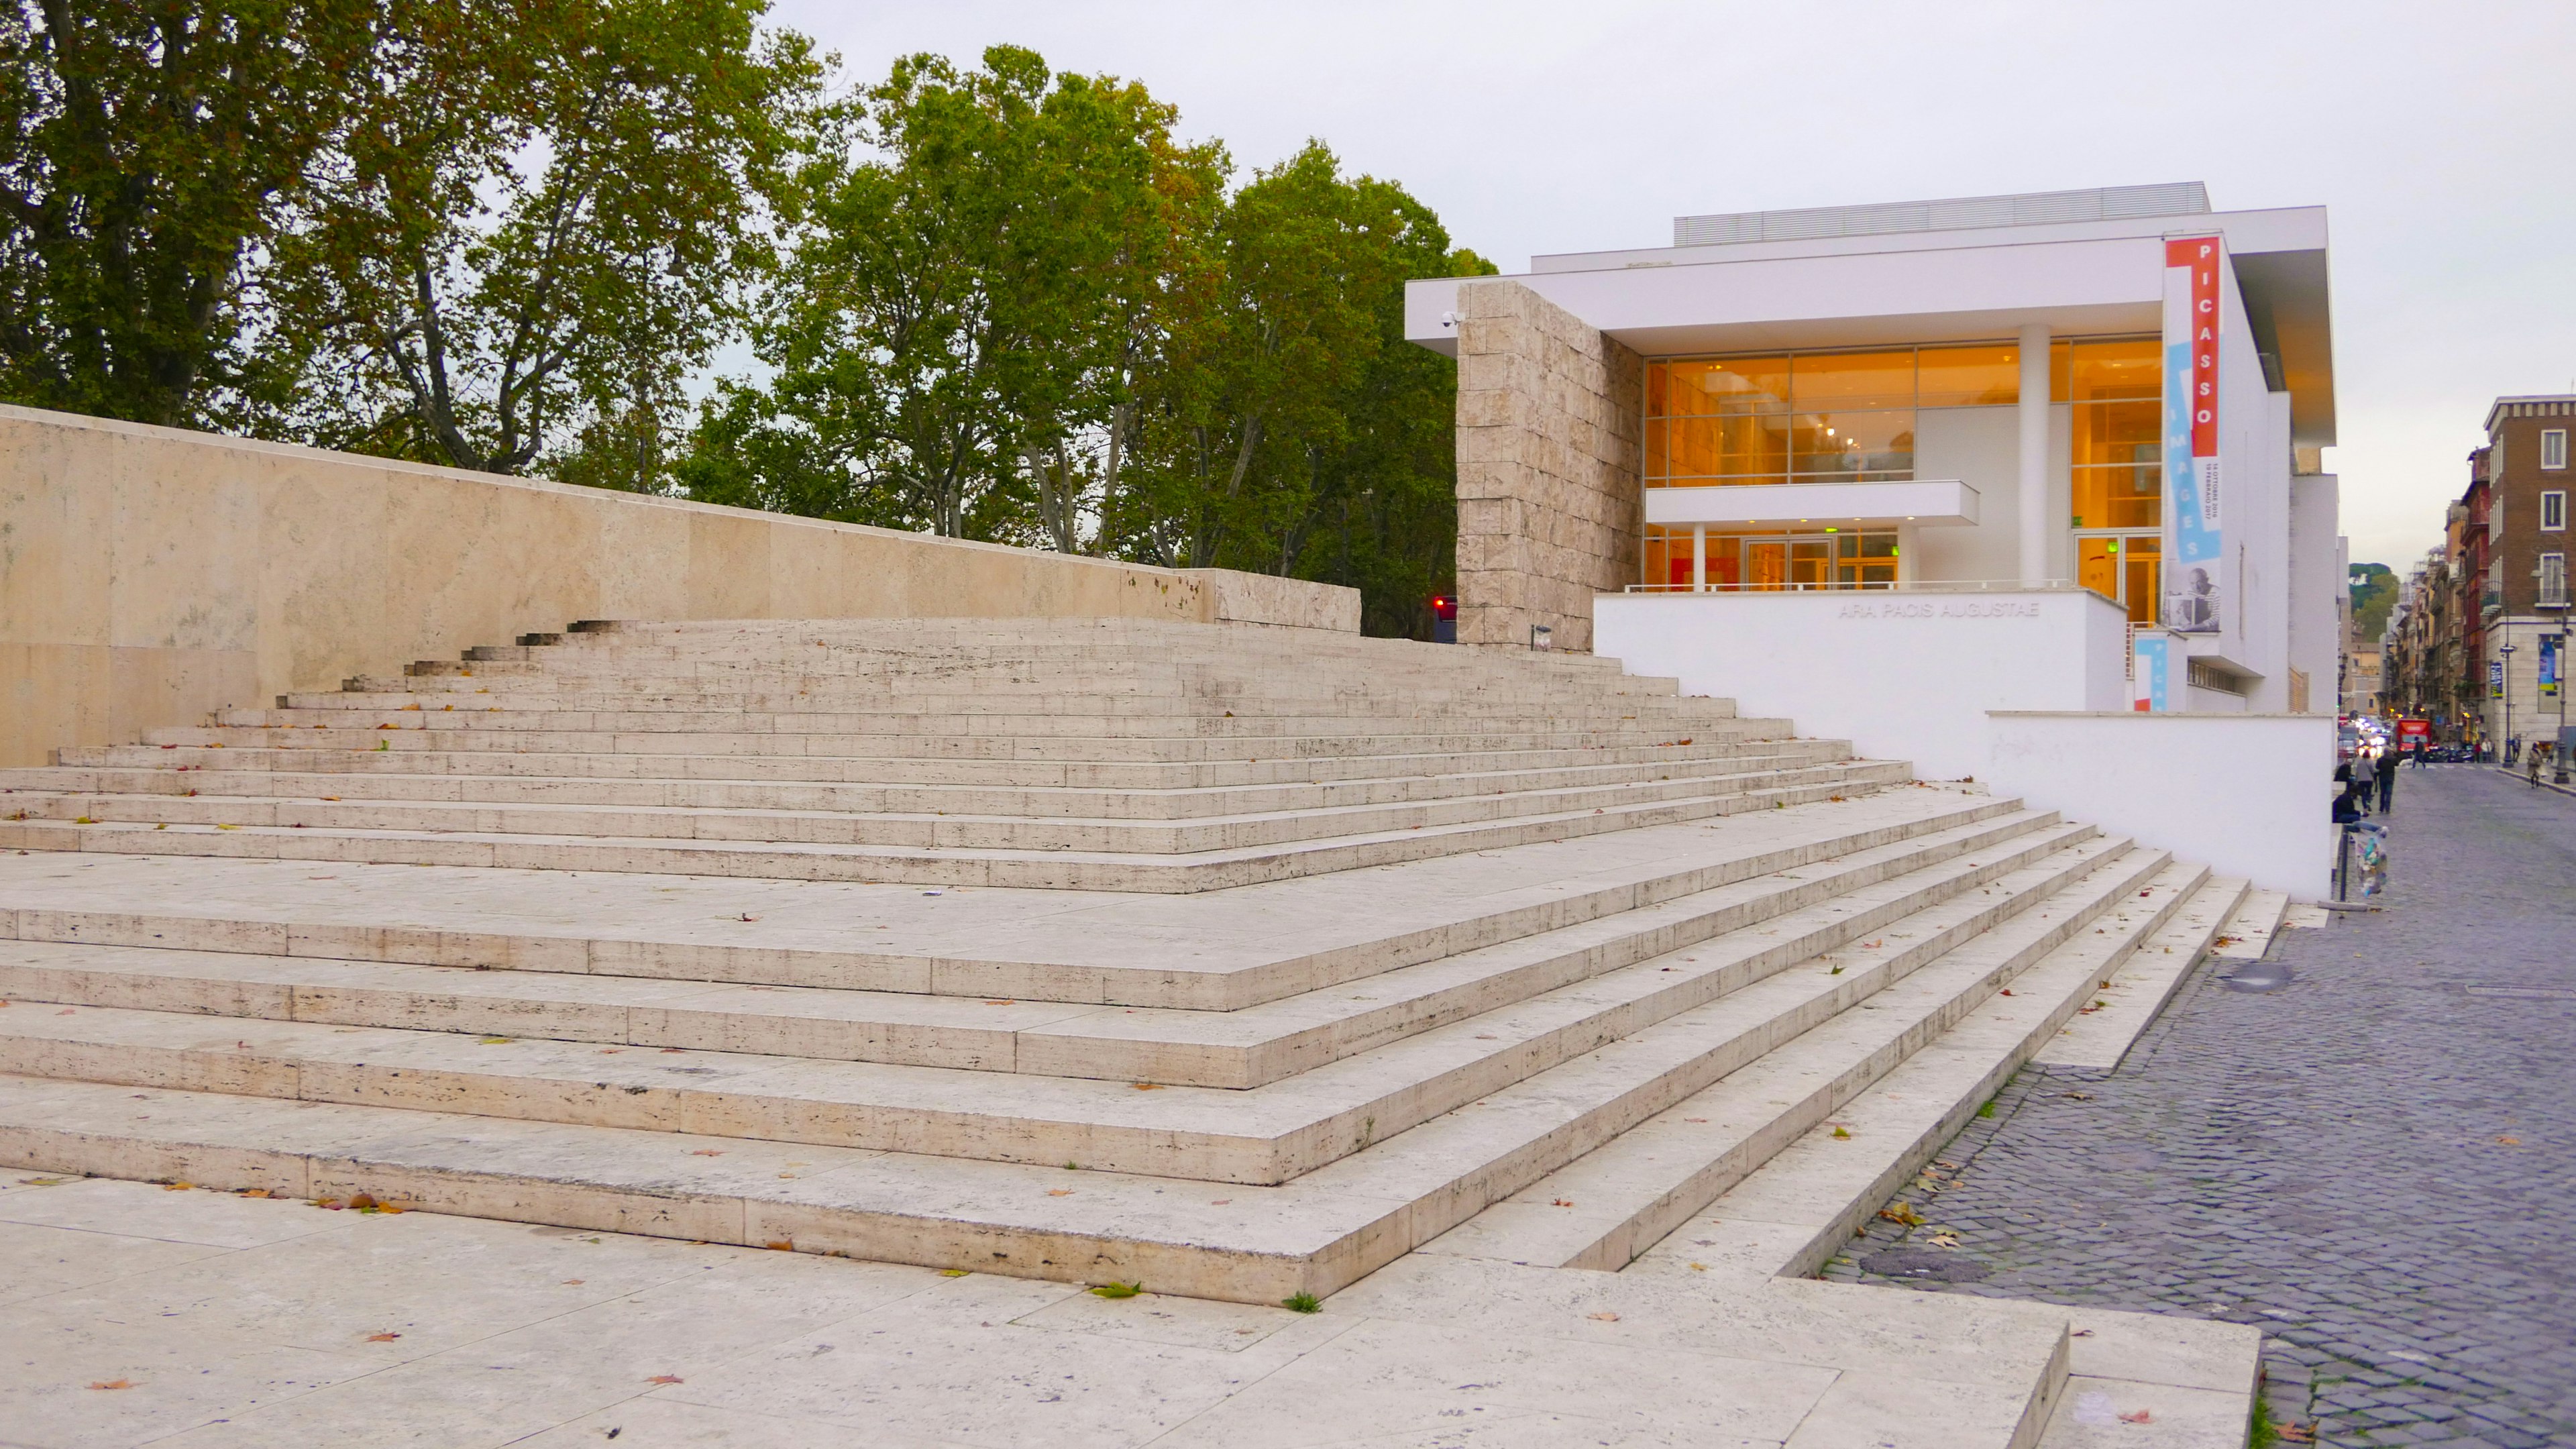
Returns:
(2519,496)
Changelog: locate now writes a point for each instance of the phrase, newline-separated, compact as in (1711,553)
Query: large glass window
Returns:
(2116,391)
(1769,561)
(1822,417)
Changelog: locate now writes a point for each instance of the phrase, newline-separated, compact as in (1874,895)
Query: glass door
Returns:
(1766,563)
(2125,568)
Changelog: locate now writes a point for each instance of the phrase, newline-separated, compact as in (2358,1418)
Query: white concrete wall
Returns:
(2316,586)
(1904,676)
(2245,794)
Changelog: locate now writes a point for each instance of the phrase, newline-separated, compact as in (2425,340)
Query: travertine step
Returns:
(930,865)
(1245,1048)
(1805,1204)
(1195,952)
(1003,768)
(1028,801)
(1605,1209)
(853,823)
(1673,1024)
(1240,1241)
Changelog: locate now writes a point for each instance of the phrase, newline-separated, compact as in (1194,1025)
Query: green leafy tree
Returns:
(149,152)
(1285,407)
(949,325)
(538,229)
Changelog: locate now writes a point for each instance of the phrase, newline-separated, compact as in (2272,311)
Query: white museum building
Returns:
(2025,488)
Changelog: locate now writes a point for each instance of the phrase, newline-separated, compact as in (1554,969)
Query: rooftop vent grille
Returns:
(2034,208)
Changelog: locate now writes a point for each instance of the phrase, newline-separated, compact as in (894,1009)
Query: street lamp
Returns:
(2504,752)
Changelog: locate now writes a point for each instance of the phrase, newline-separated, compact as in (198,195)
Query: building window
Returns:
(1820,417)
(2553,581)
(2553,449)
(2115,390)
(1772,562)
(2553,511)
(2124,568)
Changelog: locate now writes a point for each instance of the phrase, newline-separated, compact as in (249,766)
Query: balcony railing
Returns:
(1877,586)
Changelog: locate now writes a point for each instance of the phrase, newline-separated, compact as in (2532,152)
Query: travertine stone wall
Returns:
(148,575)
(1549,501)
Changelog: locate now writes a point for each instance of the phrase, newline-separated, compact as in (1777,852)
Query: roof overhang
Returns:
(1950,286)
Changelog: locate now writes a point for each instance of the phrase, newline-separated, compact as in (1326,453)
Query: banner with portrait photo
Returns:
(2194,541)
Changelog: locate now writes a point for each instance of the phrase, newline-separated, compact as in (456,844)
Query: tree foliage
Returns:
(993,302)
(152,150)
(525,256)
(1017,308)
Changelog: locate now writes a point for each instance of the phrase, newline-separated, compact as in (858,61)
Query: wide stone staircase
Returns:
(1233,961)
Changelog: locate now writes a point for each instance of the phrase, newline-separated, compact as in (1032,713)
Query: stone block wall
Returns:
(1549,467)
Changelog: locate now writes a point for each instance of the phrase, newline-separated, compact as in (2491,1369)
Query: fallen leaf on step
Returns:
(1564,1202)
(382,1337)
(2295,1433)
(1059,1192)
(2508,1142)
(663,1379)
(952,1272)
(1699,1267)
(177,1186)
(1004,1002)
(113,1384)
(1603,1317)
(1148,1086)
(707,1152)
(2143,1416)
(2079,1333)
(572,1282)
(1694,1119)
(2007,991)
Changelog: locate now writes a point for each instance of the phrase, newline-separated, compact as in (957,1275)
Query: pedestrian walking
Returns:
(2387,785)
(2365,778)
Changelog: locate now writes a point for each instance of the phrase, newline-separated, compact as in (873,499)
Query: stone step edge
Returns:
(2133,995)
(1786,1218)
(644,1182)
(1531,965)
(1653,1190)
(1164,986)
(1464,785)
(1186,873)
(1326,821)
(1032,1120)
(1531,968)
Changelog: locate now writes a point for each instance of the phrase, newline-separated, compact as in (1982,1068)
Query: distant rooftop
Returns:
(2030,208)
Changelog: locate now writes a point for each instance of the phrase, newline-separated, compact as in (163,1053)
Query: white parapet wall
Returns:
(2245,794)
(1902,675)
(148,575)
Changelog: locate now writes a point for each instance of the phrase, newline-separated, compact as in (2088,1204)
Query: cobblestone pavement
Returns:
(2377,1163)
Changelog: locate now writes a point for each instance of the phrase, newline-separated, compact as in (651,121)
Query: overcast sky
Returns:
(2438,136)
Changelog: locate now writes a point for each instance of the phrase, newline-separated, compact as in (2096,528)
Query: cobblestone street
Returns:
(2375,1164)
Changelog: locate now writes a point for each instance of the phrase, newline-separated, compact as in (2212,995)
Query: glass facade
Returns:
(1775,561)
(1850,417)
